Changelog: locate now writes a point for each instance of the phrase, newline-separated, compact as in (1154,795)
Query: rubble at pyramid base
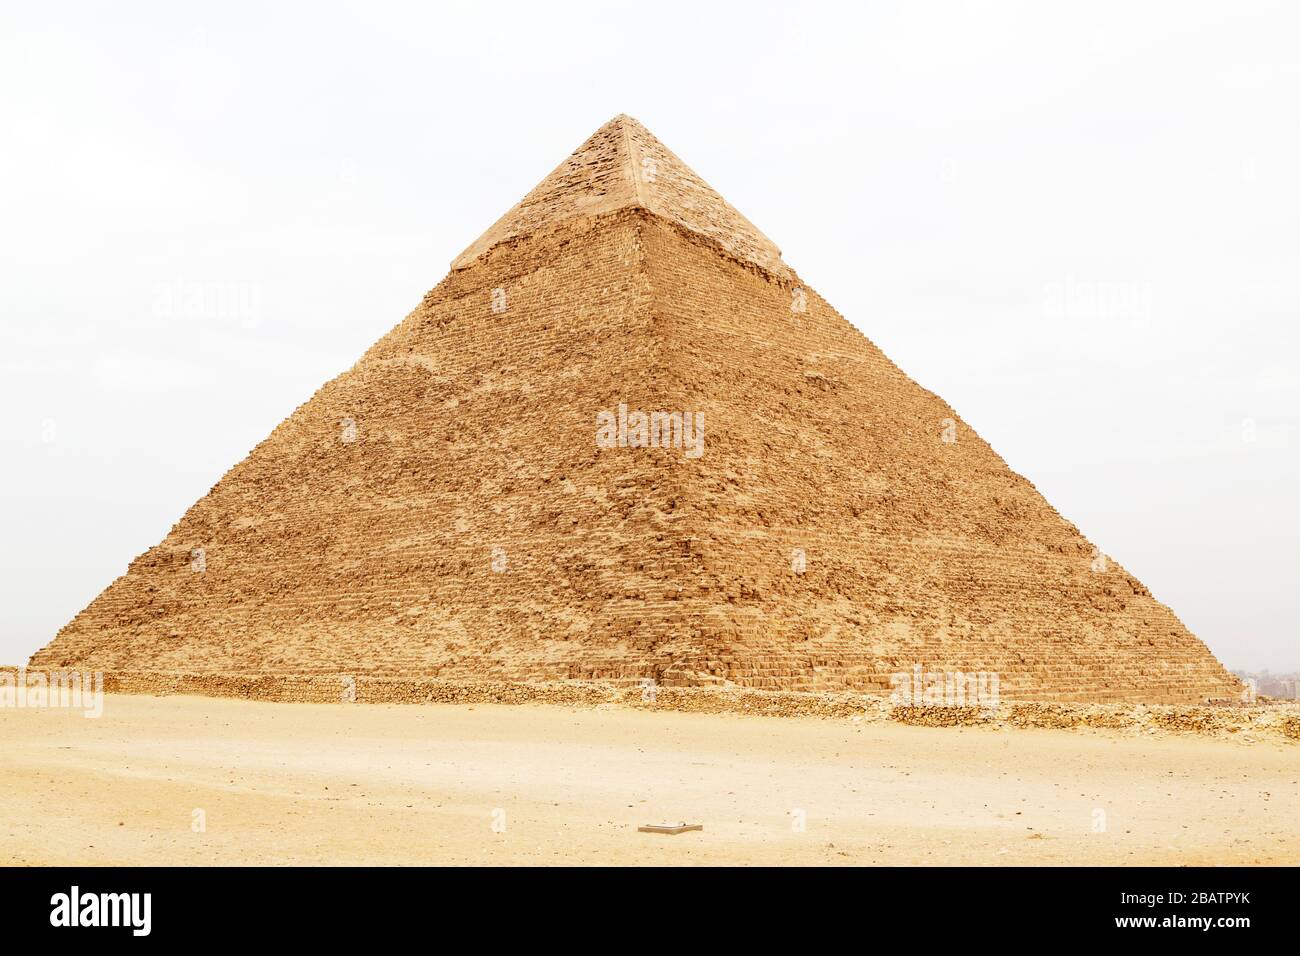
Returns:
(1270,719)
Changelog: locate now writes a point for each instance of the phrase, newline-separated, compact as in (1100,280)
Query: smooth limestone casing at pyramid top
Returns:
(444,507)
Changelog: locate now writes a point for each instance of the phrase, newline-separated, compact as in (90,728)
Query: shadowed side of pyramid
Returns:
(621,440)
(850,527)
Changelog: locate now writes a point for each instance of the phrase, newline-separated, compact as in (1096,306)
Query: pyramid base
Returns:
(677,689)
(1276,719)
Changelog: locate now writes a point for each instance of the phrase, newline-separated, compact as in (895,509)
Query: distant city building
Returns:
(1279,686)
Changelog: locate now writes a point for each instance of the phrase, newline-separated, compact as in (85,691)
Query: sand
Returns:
(538,784)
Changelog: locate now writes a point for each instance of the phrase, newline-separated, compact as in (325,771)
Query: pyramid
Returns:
(621,439)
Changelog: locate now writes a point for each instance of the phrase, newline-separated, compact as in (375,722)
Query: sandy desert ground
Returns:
(536,784)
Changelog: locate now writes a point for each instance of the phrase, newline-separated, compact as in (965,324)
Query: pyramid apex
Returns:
(620,118)
(623,165)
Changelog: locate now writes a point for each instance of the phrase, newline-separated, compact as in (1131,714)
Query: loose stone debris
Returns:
(672,828)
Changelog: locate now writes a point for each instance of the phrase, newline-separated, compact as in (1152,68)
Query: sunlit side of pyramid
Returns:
(446,508)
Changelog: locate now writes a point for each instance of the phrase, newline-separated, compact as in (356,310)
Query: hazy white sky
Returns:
(1079,225)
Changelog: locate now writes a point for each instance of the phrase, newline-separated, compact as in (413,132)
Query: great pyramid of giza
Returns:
(619,440)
